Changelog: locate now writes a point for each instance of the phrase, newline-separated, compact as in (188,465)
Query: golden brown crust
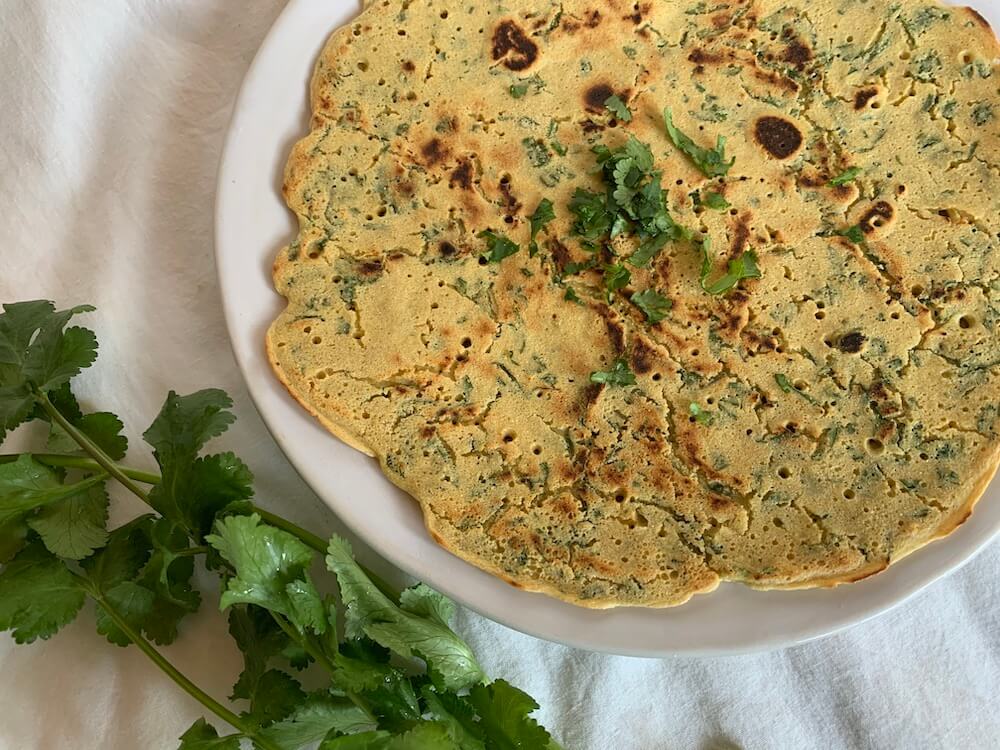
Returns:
(853,390)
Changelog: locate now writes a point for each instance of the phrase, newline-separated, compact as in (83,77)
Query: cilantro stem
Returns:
(320,658)
(173,673)
(102,458)
(79,462)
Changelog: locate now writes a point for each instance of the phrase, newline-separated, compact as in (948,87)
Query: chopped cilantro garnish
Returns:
(619,374)
(557,147)
(785,384)
(647,250)
(498,246)
(572,296)
(845,177)
(593,219)
(714,201)
(654,304)
(854,234)
(701,416)
(615,277)
(711,161)
(744,267)
(618,108)
(518,90)
(573,267)
(543,214)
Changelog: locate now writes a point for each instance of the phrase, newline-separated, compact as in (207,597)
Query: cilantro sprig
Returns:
(710,161)
(398,677)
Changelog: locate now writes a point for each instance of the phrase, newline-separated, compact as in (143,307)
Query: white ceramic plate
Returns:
(252,223)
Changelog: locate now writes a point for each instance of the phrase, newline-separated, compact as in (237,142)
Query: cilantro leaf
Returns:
(458,716)
(75,526)
(203,736)
(104,428)
(26,485)
(315,719)
(375,740)
(498,246)
(572,296)
(193,490)
(618,108)
(654,304)
(168,574)
(270,566)
(13,537)
(744,267)
(714,201)
(274,697)
(711,162)
(615,277)
(543,214)
(38,595)
(142,580)
(504,713)
(701,416)
(43,353)
(426,735)
(619,374)
(132,602)
(186,423)
(370,612)
(518,90)
(260,639)
(848,175)
(648,250)
(424,601)
(124,555)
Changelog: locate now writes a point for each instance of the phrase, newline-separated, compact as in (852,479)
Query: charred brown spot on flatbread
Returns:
(796,53)
(643,357)
(877,217)
(851,343)
(512,47)
(862,97)
(594,98)
(462,176)
(778,136)
(434,152)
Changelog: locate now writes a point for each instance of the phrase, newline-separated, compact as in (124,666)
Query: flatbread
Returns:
(805,428)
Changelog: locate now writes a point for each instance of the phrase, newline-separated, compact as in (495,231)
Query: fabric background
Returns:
(113,116)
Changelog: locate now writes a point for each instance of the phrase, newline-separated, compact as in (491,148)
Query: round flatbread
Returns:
(637,297)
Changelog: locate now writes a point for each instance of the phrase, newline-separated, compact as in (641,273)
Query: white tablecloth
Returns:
(112,115)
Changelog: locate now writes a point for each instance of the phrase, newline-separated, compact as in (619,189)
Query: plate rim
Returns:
(268,394)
